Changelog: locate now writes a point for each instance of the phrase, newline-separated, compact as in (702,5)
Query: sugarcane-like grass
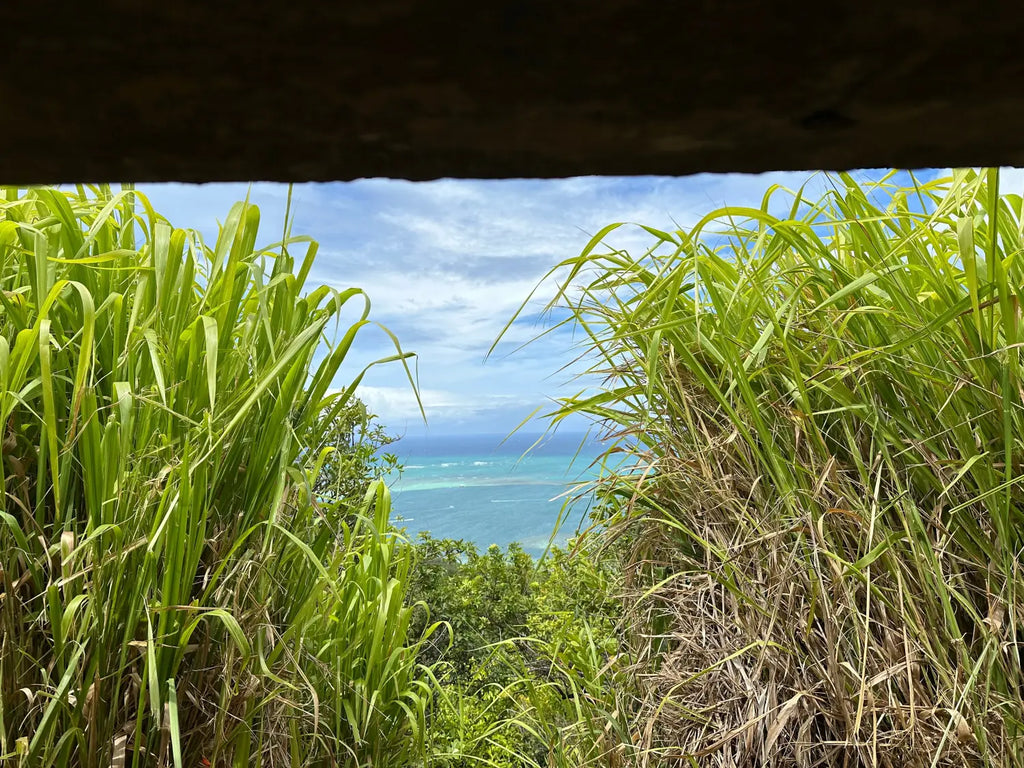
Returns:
(824,400)
(171,591)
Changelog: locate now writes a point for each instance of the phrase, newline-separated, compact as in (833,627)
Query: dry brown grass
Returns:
(825,400)
(746,670)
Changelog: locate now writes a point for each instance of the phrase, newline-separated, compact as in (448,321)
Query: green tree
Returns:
(350,444)
(482,598)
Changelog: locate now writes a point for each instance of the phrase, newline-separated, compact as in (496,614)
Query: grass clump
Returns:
(173,591)
(823,399)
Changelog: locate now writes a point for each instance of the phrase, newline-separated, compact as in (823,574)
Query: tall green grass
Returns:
(823,397)
(171,589)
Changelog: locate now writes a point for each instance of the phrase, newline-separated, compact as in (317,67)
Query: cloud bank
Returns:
(447,263)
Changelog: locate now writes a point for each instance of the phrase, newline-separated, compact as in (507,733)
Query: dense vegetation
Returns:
(808,558)
(197,565)
(527,646)
(173,589)
(823,398)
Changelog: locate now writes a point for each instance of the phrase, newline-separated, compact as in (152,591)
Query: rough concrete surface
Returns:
(315,90)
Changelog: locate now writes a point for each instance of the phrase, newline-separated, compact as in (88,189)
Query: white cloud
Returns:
(1011,181)
(447,263)
(397,406)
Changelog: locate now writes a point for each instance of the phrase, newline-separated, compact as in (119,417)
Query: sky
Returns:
(447,263)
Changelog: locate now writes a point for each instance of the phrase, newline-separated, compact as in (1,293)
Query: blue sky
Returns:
(447,262)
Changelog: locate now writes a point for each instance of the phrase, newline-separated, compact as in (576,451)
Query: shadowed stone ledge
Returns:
(301,90)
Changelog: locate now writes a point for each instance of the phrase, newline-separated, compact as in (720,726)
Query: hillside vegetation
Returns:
(172,591)
(197,562)
(823,398)
(807,553)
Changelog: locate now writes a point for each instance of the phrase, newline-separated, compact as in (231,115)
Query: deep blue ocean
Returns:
(477,488)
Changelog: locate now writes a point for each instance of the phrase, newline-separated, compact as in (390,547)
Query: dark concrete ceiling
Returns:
(316,90)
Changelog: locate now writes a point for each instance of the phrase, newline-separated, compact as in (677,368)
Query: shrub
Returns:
(529,670)
(482,600)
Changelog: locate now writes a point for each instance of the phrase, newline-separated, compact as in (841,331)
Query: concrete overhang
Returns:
(298,90)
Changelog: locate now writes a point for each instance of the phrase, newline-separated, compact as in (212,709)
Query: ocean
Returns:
(476,487)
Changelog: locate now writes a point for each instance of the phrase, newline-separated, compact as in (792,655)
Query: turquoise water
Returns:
(473,487)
